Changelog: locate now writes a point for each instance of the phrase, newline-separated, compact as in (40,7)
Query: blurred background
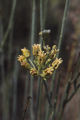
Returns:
(15,31)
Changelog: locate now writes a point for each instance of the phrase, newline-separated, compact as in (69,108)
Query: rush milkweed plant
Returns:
(43,64)
(44,61)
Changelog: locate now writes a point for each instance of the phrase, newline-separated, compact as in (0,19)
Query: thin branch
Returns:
(63,101)
(75,90)
(63,24)
(66,98)
(73,93)
(61,36)
(76,77)
(56,97)
(47,94)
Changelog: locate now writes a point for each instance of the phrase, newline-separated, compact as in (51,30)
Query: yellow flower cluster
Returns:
(44,61)
(49,70)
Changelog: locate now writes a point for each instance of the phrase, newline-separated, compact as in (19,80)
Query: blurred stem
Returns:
(10,44)
(40,98)
(15,79)
(33,22)
(5,97)
(41,21)
(5,91)
(31,94)
(45,11)
(9,25)
(1,30)
(32,42)
(6,83)
(4,115)
(59,44)
(25,91)
(41,15)
(38,95)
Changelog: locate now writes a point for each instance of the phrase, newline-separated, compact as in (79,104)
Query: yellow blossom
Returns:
(56,63)
(47,71)
(25,52)
(36,49)
(41,57)
(33,71)
(54,51)
(23,61)
(47,49)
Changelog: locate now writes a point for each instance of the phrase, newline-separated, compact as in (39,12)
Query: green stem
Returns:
(15,80)
(39,95)
(61,35)
(41,21)
(40,99)
(59,43)
(32,42)
(56,97)
(10,44)
(47,93)
(31,63)
(63,24)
